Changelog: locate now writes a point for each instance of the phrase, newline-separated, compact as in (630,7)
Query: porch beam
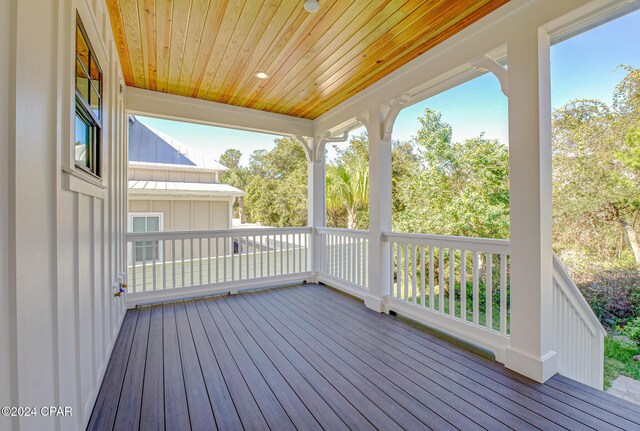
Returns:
(531,351)
(180,108)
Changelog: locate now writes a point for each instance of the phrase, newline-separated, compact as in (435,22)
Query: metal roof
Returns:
(149,146)
(139,187)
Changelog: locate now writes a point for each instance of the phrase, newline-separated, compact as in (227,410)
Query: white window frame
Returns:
(132,256)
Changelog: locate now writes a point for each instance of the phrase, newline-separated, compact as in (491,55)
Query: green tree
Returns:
(277,185)
(237,176)
(596,179)
(348,185)
(453,188)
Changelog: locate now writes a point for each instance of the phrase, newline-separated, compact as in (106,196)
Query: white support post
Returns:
(531,351)
(315,203)
(379,208)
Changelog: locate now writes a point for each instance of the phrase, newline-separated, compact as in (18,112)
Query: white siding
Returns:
(6,315)
(186,214)
(56,299)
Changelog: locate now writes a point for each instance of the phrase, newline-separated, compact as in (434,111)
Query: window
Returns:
(146,222)
(88,120)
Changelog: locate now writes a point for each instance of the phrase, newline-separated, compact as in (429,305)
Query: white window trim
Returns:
(74,178)
(160,216)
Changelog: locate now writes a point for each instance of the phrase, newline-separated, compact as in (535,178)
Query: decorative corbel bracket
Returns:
(489,64)
(306,146)
(397,105)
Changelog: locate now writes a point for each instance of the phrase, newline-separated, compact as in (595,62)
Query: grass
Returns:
(618,359)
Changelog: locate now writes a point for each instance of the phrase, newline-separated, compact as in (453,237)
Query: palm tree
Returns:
(348,189)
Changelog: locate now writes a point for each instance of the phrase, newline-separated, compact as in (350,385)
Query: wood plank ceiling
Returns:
(212,49)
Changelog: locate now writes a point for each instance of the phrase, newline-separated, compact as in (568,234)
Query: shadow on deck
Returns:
(308,357)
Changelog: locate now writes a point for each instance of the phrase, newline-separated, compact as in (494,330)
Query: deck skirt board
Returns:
(308,357)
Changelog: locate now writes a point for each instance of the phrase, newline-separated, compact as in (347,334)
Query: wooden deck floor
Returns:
(309,358)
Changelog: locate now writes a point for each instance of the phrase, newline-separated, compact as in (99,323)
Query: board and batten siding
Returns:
(62,242)
(6,313)
(186,214)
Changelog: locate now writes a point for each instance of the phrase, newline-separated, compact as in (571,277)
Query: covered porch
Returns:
(306,327)
(511,297)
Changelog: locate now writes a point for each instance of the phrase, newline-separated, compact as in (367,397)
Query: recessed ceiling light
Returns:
(311,6)
(261,75)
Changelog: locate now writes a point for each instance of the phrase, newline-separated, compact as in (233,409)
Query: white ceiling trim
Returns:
(180,108)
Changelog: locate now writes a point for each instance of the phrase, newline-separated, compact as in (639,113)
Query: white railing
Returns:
(579,334)
(172,264)
(343,258)
(457,284)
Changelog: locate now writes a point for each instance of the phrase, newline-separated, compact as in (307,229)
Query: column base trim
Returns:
(538,369)
(376,304)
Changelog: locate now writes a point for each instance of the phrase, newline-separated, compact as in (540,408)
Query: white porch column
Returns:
(315,203)
(378,264)
(531,351)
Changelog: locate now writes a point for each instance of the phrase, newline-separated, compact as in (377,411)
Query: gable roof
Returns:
(150,147)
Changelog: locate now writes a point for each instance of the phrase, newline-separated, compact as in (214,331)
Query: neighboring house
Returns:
(172,187)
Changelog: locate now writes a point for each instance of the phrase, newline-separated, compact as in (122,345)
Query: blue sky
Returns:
(583,67)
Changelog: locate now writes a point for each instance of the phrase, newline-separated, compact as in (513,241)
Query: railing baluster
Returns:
(217,260)
(209,261)
(452,282)
(246,244)
(144,267)
(503,294)
(432,288)
(200,260)
(298,248)
(358,261)
(293,253)
(153,263)
(392,253)
(255,268)
(230,240)
(134,268)
(441,280)
(173,263)
(164,265)
(405,289)
(414,298)
(239,258)
(269,255)
(288,256)
(463,285)
(398,285)
(489,291)
(422,278)
(191,258)
(281,256)
(476,295)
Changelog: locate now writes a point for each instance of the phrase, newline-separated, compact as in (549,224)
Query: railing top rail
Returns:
(342,231)
(573,293)
(222,233)
(458,242)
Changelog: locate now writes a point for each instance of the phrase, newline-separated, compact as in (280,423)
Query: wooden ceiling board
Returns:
(290,35)
(212,49)
(338,16)
(380,58)
(337,53)
(316,61)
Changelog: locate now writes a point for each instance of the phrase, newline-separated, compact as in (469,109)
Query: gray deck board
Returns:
(309,357)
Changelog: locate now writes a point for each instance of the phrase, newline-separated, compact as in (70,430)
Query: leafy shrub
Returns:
(632,330)
(614,296)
